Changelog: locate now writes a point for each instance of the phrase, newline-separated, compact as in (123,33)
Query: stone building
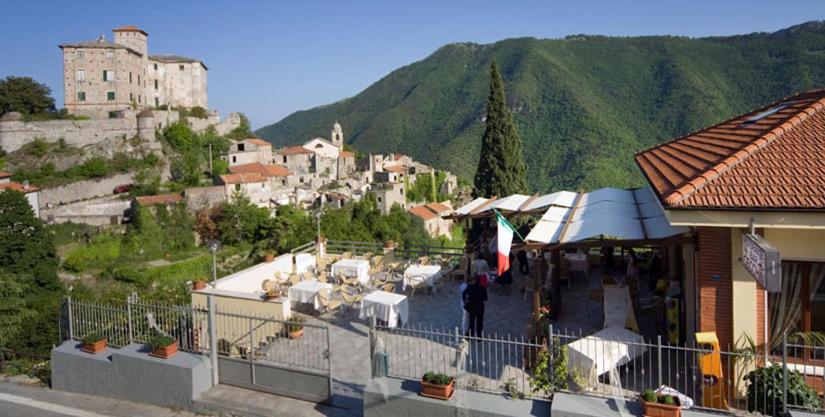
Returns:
(389,194)
(102,78)
(248,151)
(432,216)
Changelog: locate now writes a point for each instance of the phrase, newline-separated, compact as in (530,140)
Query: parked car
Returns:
(124,188)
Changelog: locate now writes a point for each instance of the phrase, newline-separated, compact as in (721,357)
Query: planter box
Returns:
(657,409)
(297,334)
(165,352)
(441,392)
(95,347)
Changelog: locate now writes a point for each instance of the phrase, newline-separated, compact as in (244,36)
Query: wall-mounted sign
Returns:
(761,259)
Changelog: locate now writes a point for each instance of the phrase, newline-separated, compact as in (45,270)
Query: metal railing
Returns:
(494,363)
(732,380)
(358,248)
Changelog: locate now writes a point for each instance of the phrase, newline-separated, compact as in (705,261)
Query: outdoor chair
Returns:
(377,261)
(350,300)
(346,255)
(367,256)
(279,277)
(388,288)
(424,260)
(307,276)
(294,279)
(322,277)
(352,281)
(461,271)
(609,280)
(327,303)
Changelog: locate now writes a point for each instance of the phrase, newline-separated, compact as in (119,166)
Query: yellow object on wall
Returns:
(710,367)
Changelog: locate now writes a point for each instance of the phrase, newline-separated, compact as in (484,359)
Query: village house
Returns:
(389,194)
(752,189)
(249,151)
(28,190)
(432,214)
(102,78)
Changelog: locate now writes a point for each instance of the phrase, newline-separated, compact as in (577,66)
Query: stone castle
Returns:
(101,79)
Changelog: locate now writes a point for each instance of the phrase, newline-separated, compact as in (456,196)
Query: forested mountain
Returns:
(583,104)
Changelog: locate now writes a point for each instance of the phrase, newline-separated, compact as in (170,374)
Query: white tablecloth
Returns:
(596,354)
(353,268)
(306,291)
(421,274)
(303,261)
(387,306)
(578,262)
(618,308)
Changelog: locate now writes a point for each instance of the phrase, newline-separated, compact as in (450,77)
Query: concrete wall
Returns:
(95,213)
(131,374)
(389,397)
(304,385)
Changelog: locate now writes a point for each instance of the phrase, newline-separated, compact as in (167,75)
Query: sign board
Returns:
(761,259)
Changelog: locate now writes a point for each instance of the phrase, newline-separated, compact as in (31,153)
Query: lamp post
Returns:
(214,246)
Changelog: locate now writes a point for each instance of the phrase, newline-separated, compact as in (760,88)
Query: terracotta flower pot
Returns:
(651,409)
(95,347)
(272,296)
(269,258)
(441,392)
(165,352)
(199,285)
(296,334)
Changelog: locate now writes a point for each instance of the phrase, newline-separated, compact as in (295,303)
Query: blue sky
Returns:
(269,59)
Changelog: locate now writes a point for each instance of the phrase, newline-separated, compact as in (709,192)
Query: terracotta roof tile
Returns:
(398,169)
(438,208)
(151,200)
(4,174)
(294,150)
(129,28)
(423,212)
(768,158)
(347,154)
(258,168)
(16,186)
(257,141)
(243,178)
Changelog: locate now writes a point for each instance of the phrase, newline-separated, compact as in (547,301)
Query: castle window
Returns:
(108,75)
(130,78)
(110,95)
(181,67)
(80,75)
(139,99)
(110,54)
(81,96)
(157,102)
(131,97)
(138,79)
(156,84)
(237,187)
(156,67)
(78,54)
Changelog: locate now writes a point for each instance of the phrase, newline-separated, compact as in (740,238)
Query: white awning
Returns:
(469,207)
(559,198)
(509,203)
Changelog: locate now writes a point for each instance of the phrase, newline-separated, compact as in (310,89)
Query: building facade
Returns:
(102,78)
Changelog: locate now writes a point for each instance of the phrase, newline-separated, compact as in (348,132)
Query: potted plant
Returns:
(199,284)
(436,385)
(660,405)
(93,343)
(269,256)
(163,347)
(272,294)
(295,328)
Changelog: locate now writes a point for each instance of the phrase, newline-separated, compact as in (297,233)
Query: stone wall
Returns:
(82,190)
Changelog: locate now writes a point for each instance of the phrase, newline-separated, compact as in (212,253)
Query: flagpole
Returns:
(498,214)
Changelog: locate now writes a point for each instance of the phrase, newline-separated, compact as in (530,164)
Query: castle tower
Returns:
(337,135)
(132,37)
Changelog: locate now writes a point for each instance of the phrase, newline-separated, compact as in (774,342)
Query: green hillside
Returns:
(583,105)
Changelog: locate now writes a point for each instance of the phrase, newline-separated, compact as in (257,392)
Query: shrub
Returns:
(667,400)
(94,167)
(100,253)
(765,391)
(38,147)
(437,378)
(158,342)
(295,324)
(198,112)
(649,396)
(93,337)
(549,379)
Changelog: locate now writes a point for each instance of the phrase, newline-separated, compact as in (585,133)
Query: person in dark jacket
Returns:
(474,298)
(523,265)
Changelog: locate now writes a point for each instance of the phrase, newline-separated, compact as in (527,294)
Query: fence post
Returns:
(329,363)
(213,339)
(550,363)
(459,355)
(784,373)
(372,347)
(659,357)
(129,317)
(69,310)
(251,352)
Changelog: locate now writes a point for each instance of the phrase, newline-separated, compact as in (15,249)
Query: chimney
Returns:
(26,185)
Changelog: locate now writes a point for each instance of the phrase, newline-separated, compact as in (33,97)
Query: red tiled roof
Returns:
(347,154)
(257,141)
(258,168)
(151,200)
(399,169)
(294,150)
(768,158)
(423,212)
(4,174)
(129,28)
(438,207)
(243,178)
(16,186)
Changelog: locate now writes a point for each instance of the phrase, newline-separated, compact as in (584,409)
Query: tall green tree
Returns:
(25,95)
(501,170)
(26,248)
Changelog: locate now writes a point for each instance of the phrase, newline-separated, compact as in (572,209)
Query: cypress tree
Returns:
(501,169)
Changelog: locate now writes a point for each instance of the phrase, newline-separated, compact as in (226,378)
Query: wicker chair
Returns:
(346,255)
(424,260)
(294,279)
(351,300)
(388,288)
(326,301)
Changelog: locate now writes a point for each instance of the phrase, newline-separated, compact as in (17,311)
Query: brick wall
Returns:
(714,282)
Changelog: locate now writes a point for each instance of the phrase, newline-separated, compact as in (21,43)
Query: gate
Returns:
(280,357)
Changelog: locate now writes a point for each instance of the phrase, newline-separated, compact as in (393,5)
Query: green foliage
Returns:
(192,152)
(94,167)
(766,388)
(161,341)
(649,396)
(61,114)
(25,95)
(583,105)
(101,252)
(501,170)
(667,400)
(198,112)
(427,188)
(545,378)
(241,220)
(294,324)
(243,131)
(437,378)
(92,338)
(13,311)
(47,176)
(38,147)
(26,248)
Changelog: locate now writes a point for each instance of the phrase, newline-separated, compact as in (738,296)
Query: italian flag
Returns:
(504,239)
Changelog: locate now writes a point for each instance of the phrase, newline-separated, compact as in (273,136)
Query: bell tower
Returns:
(337,135)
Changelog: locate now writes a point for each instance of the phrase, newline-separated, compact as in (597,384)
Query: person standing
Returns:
(465,315)
(474,298)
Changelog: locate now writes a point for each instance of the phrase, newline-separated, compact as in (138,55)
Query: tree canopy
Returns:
(501,170)
(25,95)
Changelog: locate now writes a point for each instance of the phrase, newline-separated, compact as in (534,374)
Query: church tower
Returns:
(337,135)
